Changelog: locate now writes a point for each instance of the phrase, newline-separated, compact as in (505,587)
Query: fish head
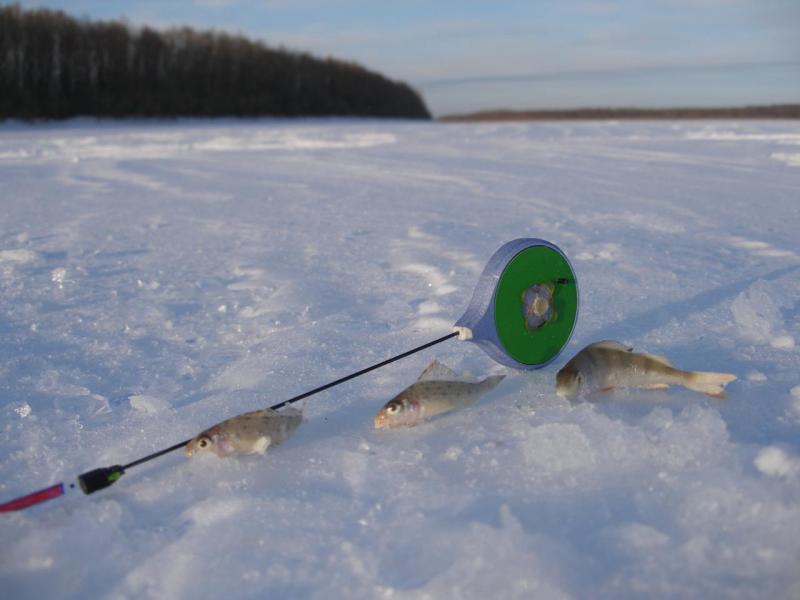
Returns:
(397,412)
(201,443)
(569,381)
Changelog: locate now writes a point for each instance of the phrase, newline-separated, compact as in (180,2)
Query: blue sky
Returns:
(472,55)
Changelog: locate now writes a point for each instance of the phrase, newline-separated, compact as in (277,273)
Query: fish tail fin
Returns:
(709,382)
(492,382)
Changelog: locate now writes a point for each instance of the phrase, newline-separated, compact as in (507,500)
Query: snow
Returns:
(156,278)
(757,313)
(775,461)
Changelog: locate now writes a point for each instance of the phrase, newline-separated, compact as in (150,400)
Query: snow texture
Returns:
(156,278)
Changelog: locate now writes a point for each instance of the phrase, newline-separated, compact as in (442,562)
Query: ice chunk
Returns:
(795,406)
(776,462)
(147,404)
(784,342)
(638,537)
(19,255)
(789,158)
(758,317)
(58,276)
(23,410)
(756,376)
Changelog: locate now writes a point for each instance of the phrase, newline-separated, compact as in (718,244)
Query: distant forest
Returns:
(55,66)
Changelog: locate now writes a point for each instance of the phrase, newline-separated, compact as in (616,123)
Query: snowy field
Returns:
(156,278)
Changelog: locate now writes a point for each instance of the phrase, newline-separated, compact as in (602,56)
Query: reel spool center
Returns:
(537,305)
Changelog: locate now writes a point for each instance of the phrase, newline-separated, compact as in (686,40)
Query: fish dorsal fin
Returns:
(611,345)
(291,411)
(436,371)
(661,359)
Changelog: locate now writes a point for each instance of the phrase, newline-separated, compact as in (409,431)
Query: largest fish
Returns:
(608,364)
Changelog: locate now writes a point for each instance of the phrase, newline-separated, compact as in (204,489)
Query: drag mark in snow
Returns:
(159,145)
(431,290)
(211,512)
(19,256)
(601,252)
(733,136)
(793,160)
(759,248)
(433,276)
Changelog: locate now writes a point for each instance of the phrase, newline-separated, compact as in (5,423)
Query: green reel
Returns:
(525,305)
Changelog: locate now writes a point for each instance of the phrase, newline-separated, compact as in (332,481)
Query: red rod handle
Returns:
(54,491)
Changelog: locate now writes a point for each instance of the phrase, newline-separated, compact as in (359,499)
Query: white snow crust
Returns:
(156,278)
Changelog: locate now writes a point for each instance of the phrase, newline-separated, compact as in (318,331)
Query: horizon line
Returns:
(594,73)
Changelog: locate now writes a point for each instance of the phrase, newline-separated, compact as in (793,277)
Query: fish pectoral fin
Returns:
(608,390)
(656,386)
(436,371)
(611,345)
(261,445)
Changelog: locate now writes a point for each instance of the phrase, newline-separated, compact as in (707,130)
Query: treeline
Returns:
(776,111)
(55,66)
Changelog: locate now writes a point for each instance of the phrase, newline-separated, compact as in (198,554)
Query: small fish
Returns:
(248,433)
(438,390)
(607,365)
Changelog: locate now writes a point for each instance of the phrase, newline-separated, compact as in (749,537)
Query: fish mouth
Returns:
(381,422)
(188,451)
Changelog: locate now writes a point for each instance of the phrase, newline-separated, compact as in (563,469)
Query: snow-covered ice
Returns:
(156,278)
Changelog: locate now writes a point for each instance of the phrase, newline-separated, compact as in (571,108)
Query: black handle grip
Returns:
(91,481)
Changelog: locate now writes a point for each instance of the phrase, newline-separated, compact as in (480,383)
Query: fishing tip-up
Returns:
(522,314)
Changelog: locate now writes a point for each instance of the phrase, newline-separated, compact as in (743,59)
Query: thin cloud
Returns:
(600,73)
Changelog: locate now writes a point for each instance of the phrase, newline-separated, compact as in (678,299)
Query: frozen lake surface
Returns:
(157,278)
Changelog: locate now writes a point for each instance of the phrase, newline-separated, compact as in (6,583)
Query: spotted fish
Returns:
(438,390)
(248,433)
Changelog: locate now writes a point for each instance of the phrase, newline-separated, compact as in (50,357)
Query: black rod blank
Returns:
(97,479)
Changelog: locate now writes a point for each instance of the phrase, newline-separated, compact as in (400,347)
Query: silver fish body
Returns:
(437,391)
(248,433)
(608,364)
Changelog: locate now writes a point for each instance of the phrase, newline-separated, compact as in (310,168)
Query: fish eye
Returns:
(203,443)
(392,408)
